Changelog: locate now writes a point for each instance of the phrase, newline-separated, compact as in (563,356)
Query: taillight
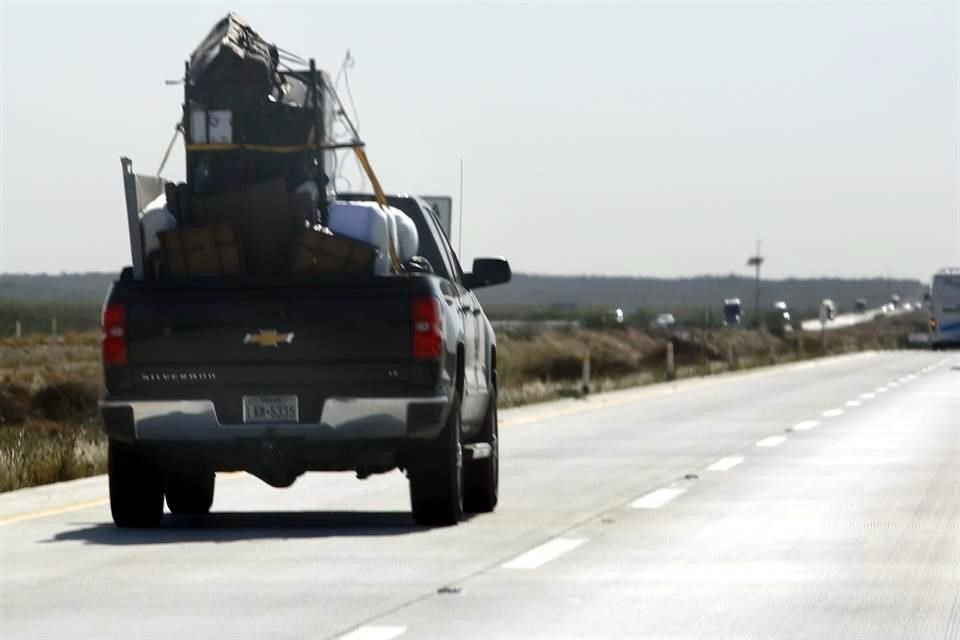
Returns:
(114,334)
(427,329)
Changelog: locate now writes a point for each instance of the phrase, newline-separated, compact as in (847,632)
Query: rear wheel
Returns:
(190,492)
(481,477)
(136,486)
(436,476)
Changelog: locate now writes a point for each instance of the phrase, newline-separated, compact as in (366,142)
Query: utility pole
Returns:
(755,261)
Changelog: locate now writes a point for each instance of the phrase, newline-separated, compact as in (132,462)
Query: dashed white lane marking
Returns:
(539,556)
(881,389)
(806,425)
(772,441)
(374,633)
(725,464)
(656,499)
(893,384)
(832,413)
(867,396)
(852,403)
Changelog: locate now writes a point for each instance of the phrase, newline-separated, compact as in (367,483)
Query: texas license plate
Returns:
(270,409)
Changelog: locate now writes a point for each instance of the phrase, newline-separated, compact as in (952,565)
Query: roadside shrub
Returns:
(65,400)
(14,403)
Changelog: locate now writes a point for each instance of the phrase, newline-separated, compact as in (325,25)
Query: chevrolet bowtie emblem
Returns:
(268,338)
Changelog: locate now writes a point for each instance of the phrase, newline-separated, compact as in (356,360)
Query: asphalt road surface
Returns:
(844,320)
(806,501)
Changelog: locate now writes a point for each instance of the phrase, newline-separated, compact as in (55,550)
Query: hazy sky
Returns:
(624,138)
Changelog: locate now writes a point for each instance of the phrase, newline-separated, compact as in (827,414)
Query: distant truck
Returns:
(732,312)
(860,306)
(783,309)
(945,309)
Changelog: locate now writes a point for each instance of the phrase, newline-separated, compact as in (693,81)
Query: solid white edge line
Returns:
(772,441)
(806,425)
(725,464)
(656,499)
(373,633)
(539,556)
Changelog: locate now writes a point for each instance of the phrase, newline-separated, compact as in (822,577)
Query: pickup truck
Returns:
(360,373)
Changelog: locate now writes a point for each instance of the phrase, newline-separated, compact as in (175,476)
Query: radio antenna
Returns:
(460,207)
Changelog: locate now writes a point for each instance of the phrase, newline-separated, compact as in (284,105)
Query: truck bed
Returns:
(224,340)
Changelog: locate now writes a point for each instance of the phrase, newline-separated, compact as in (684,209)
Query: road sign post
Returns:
(585,379)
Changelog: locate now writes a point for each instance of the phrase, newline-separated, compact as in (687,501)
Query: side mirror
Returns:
(487,272)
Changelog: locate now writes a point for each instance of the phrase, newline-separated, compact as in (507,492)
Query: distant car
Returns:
(828,310)
(895,301)
(860,305)
(664,321)
(732,312)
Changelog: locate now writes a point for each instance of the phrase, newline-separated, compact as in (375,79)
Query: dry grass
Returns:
(49,426)
(40,452)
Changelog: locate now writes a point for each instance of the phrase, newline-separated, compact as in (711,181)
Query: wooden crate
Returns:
(321,252)
(203,251)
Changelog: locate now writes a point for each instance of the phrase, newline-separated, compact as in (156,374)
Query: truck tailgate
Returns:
(269,326)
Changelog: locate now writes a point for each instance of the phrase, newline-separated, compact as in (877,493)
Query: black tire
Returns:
(481,478)
(136,486)
(190,492)
(436,476)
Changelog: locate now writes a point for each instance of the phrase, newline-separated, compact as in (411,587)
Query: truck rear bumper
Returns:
(342,419)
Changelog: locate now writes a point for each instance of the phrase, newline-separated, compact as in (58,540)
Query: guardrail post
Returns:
(773,355)
(585,380)
(729,354)
(17,330)
(671,368)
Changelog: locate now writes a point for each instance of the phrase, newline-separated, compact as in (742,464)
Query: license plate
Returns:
(270,409)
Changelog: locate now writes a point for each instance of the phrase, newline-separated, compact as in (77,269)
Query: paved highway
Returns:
(843,320)
(806,501)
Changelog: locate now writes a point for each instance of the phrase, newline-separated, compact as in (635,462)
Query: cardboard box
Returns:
(269,218)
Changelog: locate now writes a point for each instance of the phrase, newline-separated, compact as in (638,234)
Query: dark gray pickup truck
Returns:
(304,373)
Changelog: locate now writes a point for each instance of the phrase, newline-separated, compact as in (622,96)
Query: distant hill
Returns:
(81,288)
(533,290)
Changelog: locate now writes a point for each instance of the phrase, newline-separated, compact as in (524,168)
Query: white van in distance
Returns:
(945,308)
